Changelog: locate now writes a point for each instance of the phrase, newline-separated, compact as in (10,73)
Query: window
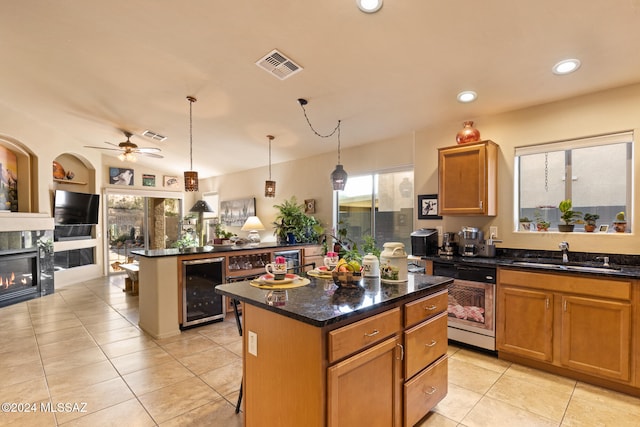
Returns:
(378,205)
(595,173)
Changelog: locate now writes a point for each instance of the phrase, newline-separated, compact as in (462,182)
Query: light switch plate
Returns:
(493,232)
(439,230)
(253,343)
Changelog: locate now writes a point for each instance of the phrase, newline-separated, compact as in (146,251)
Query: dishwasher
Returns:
(471,307)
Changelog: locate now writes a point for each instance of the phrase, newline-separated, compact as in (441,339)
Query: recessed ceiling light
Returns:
(467,96)
(369,6)
(566,66)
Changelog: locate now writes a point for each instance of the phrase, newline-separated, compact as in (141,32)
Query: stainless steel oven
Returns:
(471,307)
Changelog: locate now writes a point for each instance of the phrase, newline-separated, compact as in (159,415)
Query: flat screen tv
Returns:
(70,208)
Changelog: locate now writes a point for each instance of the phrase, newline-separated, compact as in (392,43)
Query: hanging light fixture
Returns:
(339,175)
(191,176)
(269,185)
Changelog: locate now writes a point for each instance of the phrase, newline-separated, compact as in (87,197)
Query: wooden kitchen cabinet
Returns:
(580,324)
(467,179)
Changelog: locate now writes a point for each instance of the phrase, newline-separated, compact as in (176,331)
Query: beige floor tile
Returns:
(169,402)
(129,413)
(35,418)
(27,371)
(549,403)
(66,381)
(109,325)
(225,380)
(52,318)
(222,333)
(96,397)
(434,419)
(183,335)
(33,390)
(21,351)
(114,335)
(7,336)
(188,347)
(62,335)
(457,403)
(235,347)
(544,379)
(156,377)
(481,359)
(93,317)
(61,348)
(493,413)
(471,376)
(599,406)
(216,414)
(139,360)
(130,345)
(56,326)
(209,360)
(73,360)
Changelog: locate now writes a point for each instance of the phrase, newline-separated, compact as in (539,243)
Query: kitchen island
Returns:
(320,355)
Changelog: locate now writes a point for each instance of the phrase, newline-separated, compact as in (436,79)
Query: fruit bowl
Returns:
(346,279)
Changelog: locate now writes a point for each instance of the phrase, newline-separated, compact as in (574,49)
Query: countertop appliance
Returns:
(424,242)
(470,239)
(471,307)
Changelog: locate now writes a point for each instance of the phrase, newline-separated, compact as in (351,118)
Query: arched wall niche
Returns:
(27,171)
(81,175)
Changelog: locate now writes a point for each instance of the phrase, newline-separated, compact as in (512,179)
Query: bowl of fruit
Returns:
(347,274)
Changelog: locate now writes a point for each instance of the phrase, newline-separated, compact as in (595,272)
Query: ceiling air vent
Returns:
(278,65)
(153,135)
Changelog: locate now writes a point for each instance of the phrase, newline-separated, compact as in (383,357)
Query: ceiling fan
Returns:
(129,151)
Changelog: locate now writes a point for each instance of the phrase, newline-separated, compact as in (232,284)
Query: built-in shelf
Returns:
(67,181)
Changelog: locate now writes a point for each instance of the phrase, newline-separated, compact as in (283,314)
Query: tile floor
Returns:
(79,351)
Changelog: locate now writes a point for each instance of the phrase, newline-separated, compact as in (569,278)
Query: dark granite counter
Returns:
(155,253)
(582,264)
(322,303)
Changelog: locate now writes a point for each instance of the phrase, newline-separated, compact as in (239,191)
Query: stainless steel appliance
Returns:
(424,242)
(471,308)
(449,245)
(470,240)
(200,302)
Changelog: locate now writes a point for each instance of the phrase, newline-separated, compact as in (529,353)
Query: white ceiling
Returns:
(93,68)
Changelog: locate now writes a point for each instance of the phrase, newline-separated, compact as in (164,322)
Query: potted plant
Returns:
(568,215)
(620,223)
(590,222)
(541,223)
(222,236)
(292,225)
(525,224)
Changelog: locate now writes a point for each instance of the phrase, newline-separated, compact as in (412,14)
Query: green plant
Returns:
(568,215)
(620,217)
(221,233)
(291,219)
(541,223)
(186,241)
(525,219)
(590,218)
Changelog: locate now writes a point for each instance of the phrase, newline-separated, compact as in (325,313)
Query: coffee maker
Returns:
(449,245)
(470,240)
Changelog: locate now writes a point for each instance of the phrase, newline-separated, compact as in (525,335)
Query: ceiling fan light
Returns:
(339,178)
(190,181)
(122,157)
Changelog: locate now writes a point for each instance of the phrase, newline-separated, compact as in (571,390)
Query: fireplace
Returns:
(26,259)
(19,278)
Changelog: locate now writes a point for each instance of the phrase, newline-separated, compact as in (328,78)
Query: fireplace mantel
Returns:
(22,221)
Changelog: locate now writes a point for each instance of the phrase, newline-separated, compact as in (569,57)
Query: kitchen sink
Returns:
(551,266)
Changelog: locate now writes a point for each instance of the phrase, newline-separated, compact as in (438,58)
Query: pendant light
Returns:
(339,175)
(191,176)
(269,185)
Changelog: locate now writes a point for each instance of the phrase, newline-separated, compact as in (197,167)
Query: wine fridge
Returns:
(200,302)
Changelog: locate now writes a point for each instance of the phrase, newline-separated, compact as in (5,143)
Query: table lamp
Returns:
(253,225)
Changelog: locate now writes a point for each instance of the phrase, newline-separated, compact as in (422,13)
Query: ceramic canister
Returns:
(370,266)
(393,262)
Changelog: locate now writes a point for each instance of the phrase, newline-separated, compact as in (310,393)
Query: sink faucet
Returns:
(605,260)
(564,247)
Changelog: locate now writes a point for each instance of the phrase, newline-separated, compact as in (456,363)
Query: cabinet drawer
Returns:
(352,338)
(424,308)
(424,344)
(424,391)
(313,251)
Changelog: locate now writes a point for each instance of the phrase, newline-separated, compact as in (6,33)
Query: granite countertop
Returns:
(154,253)
(321,302)
(542,263)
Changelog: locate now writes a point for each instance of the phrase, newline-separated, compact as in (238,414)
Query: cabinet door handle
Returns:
(374,333)
(401,351)
(564,305)
(433,342)
(547,303)
(431,307)
(480,204)
(433,390)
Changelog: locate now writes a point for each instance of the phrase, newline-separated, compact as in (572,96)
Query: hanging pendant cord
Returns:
(191,101)
(270,158)
(333,132)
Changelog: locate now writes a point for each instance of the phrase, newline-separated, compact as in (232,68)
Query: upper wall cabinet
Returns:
(467,179)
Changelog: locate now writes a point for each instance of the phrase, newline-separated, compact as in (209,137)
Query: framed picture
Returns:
(428,206)
(120,176)
(148,180)
(604,228)
(171,182)
(310,206)
(233,213)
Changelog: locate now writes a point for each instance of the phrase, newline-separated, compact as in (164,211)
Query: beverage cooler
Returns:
(200,302)
(292,257)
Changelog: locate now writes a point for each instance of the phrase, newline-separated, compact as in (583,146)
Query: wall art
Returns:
(233,213)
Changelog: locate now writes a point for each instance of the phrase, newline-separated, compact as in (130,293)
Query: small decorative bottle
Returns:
(468,133)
